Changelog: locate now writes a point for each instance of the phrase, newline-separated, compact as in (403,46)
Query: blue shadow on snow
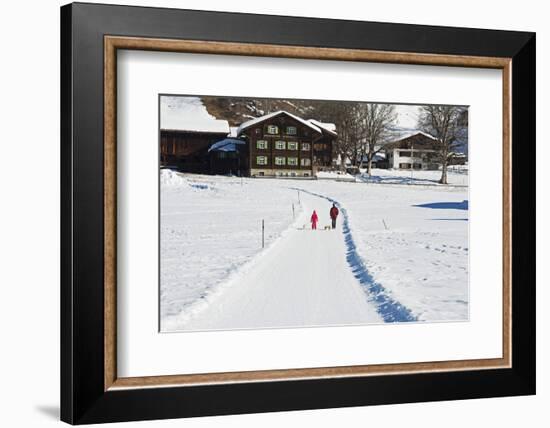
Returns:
(445,205)
(395,180)
(389,309)
(199,186)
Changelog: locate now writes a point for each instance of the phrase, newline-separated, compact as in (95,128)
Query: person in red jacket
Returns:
(333,215)
(314,220)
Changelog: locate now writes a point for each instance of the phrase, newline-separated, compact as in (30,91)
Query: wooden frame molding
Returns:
(113,43)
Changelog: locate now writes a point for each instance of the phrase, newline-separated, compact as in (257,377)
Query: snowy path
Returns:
(405,247)
(305,279)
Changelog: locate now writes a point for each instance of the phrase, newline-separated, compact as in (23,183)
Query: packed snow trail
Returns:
(303,280)
(389,309)
(405,245)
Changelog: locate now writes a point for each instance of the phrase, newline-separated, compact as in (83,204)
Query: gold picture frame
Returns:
(114,43)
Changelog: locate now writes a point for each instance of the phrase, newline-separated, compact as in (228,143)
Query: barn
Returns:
(187,131)
(282,144)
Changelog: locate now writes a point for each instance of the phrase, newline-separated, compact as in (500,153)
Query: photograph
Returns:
(287,213)
(266,210)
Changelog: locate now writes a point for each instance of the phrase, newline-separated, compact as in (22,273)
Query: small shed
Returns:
(229,157)
(378,161)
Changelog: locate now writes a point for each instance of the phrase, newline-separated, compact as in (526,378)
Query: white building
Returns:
(415,150)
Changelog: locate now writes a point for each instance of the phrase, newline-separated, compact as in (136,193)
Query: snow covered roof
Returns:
(189,114)
(402,134)
(401,140)
(226,145)
(252,122)
(233,131)
(380,156)
(457,154)
(330,127)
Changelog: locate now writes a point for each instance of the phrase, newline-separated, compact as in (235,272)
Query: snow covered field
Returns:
(399,253)
(456,175)
(211,227)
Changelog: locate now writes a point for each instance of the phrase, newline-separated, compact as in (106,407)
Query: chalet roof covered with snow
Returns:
(403,134)
(260,119)
(404,139)
(329,127)
(189,114)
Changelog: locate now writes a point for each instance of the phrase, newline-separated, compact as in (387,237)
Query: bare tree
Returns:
(344,116)
(363,129)
(355,132)
(378,121)
(445,124)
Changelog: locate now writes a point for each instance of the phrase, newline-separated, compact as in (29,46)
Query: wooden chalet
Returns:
(284,145)
(187,151)
(187,132)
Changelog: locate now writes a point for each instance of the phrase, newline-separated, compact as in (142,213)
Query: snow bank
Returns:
(210,228)
(169,178)
(335,175)
(173,179)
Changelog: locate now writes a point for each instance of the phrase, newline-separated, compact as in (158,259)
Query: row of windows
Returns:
(407,165)
(274,130)
(284,174)
(281,161)
(416,153)
(282,145)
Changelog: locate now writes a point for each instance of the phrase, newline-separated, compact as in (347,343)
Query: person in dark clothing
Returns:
(333,215)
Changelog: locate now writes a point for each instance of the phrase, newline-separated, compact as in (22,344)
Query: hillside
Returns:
(238,110)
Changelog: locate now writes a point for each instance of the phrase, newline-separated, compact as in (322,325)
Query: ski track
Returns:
(304,280)
(282,288)
(389,309)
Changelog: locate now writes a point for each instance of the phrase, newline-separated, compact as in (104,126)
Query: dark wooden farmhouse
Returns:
(284,145)
(187,131)
(187,151)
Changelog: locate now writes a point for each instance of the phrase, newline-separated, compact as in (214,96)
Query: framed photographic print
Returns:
(265,213)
